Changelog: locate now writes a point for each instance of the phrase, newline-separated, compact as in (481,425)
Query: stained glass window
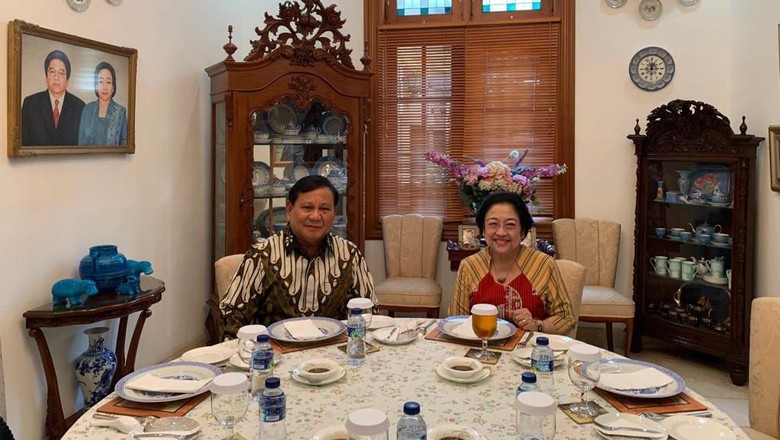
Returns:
(423,7)
(511,5)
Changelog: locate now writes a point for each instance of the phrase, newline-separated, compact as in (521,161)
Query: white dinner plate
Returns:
(331,433)
(523,357)
(380,321)
(439,432)
(329,327)
(557,342)
(696,428)
(625,419)
(171,370)
(383,335)
(482,375)
(618,365)
(447,326)
(236,361)
(295,375)
(210,355)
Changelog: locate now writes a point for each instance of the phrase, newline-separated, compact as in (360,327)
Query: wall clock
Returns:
(651,69)
(79,5)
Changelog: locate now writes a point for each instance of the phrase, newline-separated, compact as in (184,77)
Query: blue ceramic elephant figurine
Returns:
(72,292)
(134,271)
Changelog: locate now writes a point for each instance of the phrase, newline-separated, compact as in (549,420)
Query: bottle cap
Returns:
(229,383)
(367,421)
(535,403)
(528,377)
(356,311)
(484,309)
(542,340)
(584,352)
(262,338)
(251,331)
(272,382)
(411,408)
(361,303)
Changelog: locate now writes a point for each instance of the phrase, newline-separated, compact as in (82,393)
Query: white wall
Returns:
(154,204)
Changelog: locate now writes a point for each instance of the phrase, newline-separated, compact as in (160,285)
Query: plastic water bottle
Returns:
(542,362)
(411,425)
(356,330)
(527,383)
(273,409)
(262,365)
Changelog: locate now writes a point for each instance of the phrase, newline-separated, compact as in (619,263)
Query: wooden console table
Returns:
(99,307)
(455,254)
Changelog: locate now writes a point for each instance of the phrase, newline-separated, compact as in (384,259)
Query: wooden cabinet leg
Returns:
(55,418)
(738,374)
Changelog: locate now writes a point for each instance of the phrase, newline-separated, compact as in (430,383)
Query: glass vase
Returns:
(684,181)
(95,367)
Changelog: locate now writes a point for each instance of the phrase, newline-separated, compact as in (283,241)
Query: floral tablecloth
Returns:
(389,378)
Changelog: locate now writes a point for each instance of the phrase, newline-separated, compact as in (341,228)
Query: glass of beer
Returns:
(484,321)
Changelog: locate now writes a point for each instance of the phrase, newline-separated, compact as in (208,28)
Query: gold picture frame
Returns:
(46,67)
(468,237)
(774,157)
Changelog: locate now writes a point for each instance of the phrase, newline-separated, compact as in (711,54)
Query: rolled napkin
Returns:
(303,329)
(150,382)
(465,330)
(120,423)
(637,380)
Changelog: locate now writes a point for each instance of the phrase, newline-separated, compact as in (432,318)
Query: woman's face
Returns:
(105,85)
(502,230)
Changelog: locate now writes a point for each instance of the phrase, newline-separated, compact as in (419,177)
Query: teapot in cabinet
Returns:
(705,228)
(702,268)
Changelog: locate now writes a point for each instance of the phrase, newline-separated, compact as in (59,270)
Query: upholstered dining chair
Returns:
(573,275)
(411,244)
(594,244)
(764,382)
(224,269)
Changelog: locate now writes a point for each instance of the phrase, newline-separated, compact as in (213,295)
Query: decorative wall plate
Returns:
(282,116)
(327,164)
(79,5)
(688,2)
(651,69)
(333,125)
(650,9)
(615,3)
(114,2)
(261,173)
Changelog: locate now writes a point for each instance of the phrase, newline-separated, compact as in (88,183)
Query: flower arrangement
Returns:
(479,179)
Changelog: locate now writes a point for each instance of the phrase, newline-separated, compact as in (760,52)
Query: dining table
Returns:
(386,380)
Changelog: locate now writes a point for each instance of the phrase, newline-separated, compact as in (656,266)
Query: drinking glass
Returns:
(247,336)
(484,321)
(584,372)
(229,400)
(512,301)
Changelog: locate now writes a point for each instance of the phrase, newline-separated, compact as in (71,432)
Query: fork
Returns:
(658,416)
(526,340)
(626,428)
(166,435)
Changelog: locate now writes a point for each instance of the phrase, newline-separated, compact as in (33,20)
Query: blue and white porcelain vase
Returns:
(684,181)
(95,367)
(105,266)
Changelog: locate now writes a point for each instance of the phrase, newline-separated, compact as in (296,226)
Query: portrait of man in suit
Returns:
(52,117)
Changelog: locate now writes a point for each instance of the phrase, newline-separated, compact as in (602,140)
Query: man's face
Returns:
(312,216)
(56,77)
(105,85)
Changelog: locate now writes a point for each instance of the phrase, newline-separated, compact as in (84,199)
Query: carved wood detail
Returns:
(302,86)
(684,126)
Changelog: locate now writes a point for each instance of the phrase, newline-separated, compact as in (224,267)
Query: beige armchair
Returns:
(224,270)
(411,244)
(764,382)
(594,244)
(573,275)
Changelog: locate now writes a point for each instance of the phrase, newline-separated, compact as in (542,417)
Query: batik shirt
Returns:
(538,269)
(276,281)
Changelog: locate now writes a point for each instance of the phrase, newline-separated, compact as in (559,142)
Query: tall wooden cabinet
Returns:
(694,232)
(295,105)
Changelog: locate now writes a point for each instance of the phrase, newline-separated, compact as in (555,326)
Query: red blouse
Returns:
(491,292)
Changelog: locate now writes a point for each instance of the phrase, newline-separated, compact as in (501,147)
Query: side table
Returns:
(102,306)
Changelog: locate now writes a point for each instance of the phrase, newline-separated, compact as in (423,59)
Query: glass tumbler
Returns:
(247,336)
(366,305)
(367,424)
(229,400)
(534,416)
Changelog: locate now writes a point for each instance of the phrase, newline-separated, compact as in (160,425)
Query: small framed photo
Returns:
(774,157)
(468,237)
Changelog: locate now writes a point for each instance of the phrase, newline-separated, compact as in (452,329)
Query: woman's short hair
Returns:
(512,199)
(104,65)
(309,184)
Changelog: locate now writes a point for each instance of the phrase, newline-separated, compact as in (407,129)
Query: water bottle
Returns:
(542,359)
(273,409)
(411,425)
(356,330)
(262,365)
(527,383)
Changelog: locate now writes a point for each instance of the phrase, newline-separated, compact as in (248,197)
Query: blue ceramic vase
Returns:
(105,266)
(95,367)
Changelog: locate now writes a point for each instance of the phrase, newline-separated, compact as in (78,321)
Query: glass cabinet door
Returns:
(289,143)
(688,248)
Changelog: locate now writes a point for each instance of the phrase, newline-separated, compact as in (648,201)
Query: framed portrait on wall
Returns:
(68,94)
(468,237)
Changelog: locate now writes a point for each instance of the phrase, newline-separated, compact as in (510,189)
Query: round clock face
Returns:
(652,68)
(79,5)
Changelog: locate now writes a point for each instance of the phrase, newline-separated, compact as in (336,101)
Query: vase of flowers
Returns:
(479,179)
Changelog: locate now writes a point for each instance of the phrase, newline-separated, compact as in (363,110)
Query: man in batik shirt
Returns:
(302,271)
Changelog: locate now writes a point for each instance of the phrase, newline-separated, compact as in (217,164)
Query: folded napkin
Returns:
(408,327)
(465,330)
(120,423)
(150,382)
(637,380)
(303,329)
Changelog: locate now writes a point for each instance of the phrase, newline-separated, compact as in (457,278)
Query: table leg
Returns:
(55,418)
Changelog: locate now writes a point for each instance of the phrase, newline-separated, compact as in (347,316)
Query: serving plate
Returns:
(172,370)
(327,164)
(617,365)
(558,343)
(383,335)
(333,124)
(632,420)
(523,357)
(210,355)
(261,222)
(381,321)
(297,171)
(696,428)
(330,328)
(261,173)
(282,116)
(505,329)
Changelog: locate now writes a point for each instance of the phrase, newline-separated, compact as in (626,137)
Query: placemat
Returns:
(508,344)
(634,405)
(290,347)
(163,409)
